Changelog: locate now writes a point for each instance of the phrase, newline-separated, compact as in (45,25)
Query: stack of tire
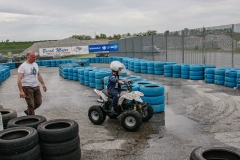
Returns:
(99,78)
(196,72)
(92,78)
(70,73)
(144,67)
(48,63)
(39,63)
(19,143)
(81,75)
(75,73)
(168,70)
(44,62)
(230,78)
(5,72)
(219,76)
(7,115)
(53,63)
(137,66)
(58,62)
(177,71)
(59,140)
(209,75)
(86,76)
(158,68)
(238,80)
(153,95)
(150,67)
(185,69)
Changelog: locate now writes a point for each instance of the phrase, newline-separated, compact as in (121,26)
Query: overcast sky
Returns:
(32,20)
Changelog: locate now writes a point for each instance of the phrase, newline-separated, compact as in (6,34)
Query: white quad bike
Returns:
(134,111)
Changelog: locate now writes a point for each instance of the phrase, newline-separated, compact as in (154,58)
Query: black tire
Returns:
(131,120)
(58,130)
(33,154)
(203,153)
(7,115)
(17,140)
(58,149)
(147,113)
(96,115)
(27,121)
(75,155)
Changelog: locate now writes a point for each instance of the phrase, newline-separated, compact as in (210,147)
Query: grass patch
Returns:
(237,50)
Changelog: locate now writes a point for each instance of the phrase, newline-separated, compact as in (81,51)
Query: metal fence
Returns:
(217,46)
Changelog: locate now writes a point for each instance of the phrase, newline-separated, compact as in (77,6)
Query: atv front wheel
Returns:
(131,120)
(96,115)
(147,113)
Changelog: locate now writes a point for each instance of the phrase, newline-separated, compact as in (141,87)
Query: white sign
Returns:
(80,50)
(62,51)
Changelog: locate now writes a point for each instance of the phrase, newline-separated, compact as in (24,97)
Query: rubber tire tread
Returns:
(33,154)
(58,149)
(102,115)
(197,153)
(13,122)
(18,145)
(58,135)
(75,155)
(136,115)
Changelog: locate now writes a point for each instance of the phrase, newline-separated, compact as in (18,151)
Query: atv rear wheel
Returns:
(131,120)
(96,115)
(147,113)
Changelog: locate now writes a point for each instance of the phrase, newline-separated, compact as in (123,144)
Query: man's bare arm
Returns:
(42,82)
(20,76)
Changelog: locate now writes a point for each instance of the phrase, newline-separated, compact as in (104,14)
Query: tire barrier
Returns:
(158,68)
(59,139)
(150,67)
(4,73)
(153,95)
(168,70)
(219,76)
(238,80)
(19,143)
(196,72)
(209,75)
(230,78)
(176,70)
(7,115)
(137,66)
(99,78)
(144,67)
(26,121)
(185,68)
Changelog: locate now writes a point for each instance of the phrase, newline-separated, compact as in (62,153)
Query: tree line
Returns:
(115,36)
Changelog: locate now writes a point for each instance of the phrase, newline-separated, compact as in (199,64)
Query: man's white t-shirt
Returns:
(30,74)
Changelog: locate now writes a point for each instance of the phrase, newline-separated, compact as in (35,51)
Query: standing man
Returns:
(28,77)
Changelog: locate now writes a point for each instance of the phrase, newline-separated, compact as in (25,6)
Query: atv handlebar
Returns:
(128,84)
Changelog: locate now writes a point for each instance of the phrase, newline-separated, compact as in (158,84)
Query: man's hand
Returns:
(22,94)
(44,88)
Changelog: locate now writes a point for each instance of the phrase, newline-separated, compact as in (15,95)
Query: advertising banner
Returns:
(61,51)
(103,47)
(79,50)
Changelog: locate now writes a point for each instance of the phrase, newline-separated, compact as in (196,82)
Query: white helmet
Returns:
(116,65)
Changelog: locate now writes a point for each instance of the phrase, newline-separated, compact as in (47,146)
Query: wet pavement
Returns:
(196,114)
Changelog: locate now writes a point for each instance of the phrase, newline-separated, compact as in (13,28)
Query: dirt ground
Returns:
(196,114)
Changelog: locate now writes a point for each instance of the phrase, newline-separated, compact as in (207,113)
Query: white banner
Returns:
(80,50)
(62,51)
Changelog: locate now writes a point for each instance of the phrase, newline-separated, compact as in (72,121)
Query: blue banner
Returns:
(103,47)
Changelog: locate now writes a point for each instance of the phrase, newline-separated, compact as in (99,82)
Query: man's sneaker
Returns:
(26,112)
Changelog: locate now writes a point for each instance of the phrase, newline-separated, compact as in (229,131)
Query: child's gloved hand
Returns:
(120,82)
